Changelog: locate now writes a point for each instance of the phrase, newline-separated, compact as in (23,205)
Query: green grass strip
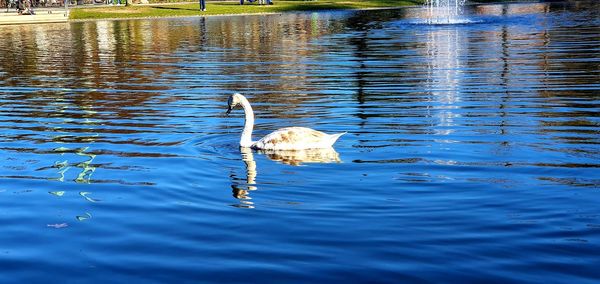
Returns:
(229,8)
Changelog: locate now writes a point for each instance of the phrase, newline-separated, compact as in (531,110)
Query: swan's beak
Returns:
(229,108)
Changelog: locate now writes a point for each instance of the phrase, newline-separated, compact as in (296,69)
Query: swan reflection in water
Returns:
(241,191)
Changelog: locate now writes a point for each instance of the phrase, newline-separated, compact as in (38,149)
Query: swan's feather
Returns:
(296,138)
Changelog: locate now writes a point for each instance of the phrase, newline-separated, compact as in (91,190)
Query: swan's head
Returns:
(233,101)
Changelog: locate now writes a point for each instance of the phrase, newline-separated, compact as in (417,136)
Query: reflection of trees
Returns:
(17,54)
(558,56)
(557,73)
(272,55)
(112,68)
(359,42)
(87,84)
(453,50)
(367,58)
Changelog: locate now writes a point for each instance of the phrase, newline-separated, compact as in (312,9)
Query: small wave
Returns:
(216,145)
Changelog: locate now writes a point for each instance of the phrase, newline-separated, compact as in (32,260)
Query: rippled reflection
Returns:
(242,191)
(444,53)
(299,157)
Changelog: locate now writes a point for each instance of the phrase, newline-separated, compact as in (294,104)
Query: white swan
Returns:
(289,138)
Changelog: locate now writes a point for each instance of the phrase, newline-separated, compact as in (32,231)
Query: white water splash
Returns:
(445,11)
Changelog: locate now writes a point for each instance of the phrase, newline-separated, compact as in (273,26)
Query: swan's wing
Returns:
(292,138)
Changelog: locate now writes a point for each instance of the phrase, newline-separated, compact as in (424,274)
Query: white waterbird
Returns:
(289,138)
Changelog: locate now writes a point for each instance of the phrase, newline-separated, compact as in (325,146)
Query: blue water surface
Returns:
(472,152)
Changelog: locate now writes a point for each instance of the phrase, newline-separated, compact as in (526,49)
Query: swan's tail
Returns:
(335,137)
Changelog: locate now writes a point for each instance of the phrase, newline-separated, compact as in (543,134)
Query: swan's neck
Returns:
(246,139)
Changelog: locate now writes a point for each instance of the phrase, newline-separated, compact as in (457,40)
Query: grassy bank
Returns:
(229,8)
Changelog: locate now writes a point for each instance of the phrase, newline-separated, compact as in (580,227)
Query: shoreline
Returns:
(174,17)
(45,16)
(228,8)
(239,14)
(42,16)
(276,13)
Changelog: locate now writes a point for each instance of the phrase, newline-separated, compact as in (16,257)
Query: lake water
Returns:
(472,151)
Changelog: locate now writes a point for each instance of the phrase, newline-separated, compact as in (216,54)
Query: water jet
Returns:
(445,11)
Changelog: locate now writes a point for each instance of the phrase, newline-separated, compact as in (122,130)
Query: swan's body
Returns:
(289,138)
